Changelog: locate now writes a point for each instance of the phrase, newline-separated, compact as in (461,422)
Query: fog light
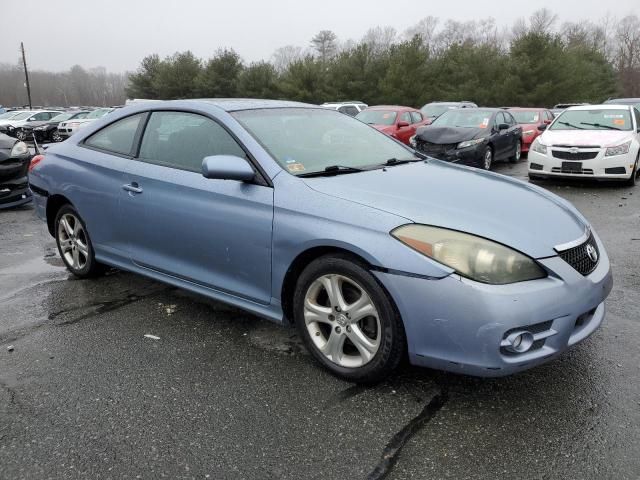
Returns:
(519,342)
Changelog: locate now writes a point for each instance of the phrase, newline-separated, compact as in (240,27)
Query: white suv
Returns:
(591,141)
(350,108)
(68,128)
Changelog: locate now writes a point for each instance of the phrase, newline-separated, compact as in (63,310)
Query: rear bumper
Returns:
(458,325)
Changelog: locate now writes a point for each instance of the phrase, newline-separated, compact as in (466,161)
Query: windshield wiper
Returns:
(395,161)
(571,125)
(332,170)
(600,126)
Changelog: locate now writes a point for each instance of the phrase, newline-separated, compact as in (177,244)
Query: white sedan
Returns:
(591,141)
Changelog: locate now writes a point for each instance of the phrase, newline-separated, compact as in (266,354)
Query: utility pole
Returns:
(26,74)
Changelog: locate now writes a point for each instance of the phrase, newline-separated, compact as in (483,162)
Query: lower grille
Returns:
(583,258)
(535,166)
(615,171)
(584,171)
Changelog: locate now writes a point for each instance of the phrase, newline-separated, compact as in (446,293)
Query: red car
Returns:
(397,122)
(529,119)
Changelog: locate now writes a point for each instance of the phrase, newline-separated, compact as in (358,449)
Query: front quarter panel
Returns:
(305,218)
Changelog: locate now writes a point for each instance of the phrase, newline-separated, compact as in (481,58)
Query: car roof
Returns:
(526,108)
(608,106)
(235,104)
(389,107)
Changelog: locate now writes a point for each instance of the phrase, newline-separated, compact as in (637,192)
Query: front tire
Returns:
(631,182)
(347,321)
(56,137)
(74,244)
(487,158)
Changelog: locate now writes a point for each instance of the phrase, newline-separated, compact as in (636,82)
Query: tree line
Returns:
(537,62)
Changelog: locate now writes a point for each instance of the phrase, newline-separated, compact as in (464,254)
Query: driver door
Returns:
(214,233)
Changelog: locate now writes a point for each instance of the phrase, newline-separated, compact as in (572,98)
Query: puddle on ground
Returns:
(275,338)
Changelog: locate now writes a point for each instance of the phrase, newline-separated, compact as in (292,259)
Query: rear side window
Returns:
(117,137)
(182,140)
(406,117)
(499,119)
(417,117)
(509,118)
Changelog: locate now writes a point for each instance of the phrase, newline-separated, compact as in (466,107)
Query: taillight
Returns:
(35,161)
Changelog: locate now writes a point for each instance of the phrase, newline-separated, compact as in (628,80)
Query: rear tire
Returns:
(21,135)
(347,320)
(74,244)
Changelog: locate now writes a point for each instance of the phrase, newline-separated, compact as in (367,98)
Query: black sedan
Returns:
(471,136)
(47,130)
(14,165)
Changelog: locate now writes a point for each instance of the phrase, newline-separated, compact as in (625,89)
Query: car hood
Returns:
(520,215)
(36,124)
(582,138)
(446,135)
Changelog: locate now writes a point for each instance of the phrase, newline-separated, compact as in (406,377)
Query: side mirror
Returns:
(542,127)
(503,126)
(402,124)
(227,167)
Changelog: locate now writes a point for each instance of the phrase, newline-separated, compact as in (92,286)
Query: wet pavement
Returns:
(223,394)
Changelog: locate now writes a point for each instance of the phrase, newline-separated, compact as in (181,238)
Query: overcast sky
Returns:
(117,34)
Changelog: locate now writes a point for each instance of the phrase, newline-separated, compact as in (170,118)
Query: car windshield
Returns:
(22,116)
(526,116)
(101,112)
(593,119)
(464,118)
(435,109)
(308,140)
(377,117)
(61,117)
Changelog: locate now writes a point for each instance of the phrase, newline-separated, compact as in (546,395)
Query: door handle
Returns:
(132,187)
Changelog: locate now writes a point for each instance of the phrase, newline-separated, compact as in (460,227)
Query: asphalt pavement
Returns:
(217,393)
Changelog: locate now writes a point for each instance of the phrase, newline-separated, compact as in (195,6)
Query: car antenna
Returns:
(35,143)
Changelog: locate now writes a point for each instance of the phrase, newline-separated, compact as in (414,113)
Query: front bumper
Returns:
(458,325)
(471,156)
(14,192)
(618,167)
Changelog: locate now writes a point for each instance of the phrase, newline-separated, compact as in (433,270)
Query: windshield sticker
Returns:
(386,115)
(485,123)
(618,121)
(295,167)
(609,115)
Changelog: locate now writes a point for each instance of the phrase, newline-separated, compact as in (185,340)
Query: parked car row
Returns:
(48,125)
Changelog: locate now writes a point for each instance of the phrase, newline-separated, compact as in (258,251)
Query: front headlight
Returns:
(538,147)
(474,257)
(412,141)
(470,143)
(19,149)
(618,149)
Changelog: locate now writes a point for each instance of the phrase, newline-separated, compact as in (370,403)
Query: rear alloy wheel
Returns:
(487,158)
(74,244)
(347,321)
(517,155)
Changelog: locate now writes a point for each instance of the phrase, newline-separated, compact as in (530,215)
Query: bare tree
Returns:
(628,54)
(380,39)
(324,42)
(286,55)
(543,21)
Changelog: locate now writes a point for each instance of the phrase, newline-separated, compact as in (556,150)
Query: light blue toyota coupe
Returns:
(303,215)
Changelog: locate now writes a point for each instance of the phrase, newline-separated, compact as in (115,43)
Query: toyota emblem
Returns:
(592,253)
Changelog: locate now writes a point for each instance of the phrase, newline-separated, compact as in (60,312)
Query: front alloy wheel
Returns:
(21,135)
(56,137)
(347,320)
(487,158)
(518,153)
